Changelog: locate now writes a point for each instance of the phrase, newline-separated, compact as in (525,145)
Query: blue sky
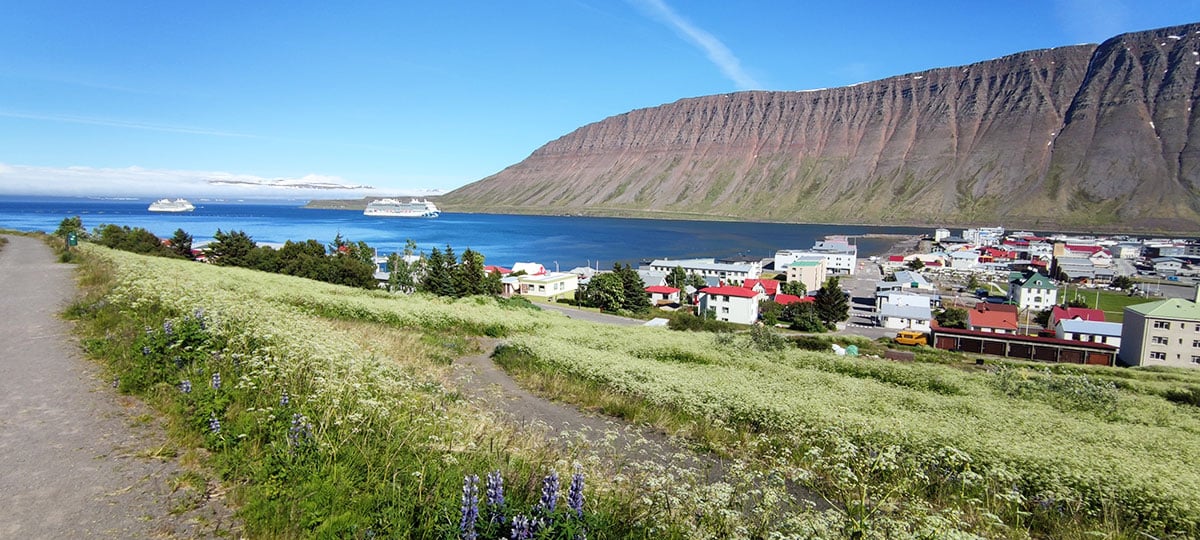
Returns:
(152,98)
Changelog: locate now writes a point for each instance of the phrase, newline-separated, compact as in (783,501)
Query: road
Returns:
(862,302)
(78,460)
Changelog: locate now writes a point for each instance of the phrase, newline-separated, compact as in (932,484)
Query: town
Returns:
(1106,300)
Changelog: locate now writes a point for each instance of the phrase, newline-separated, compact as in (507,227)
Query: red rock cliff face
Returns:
(1079,136)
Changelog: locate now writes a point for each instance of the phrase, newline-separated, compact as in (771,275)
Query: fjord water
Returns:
(502,239)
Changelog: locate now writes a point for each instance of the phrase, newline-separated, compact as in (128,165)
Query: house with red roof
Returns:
(769,287)
(785,299)
(994,318)
(732,304)
(488,269)
(1085,251)
(1059,313)
(662,294)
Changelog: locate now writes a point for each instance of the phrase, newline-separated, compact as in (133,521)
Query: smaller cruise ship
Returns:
(397,208)
(168,205)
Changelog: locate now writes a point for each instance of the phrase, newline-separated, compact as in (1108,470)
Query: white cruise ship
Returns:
(396,208)
(167,205)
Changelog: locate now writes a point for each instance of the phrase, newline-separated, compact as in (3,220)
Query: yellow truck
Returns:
(911,337)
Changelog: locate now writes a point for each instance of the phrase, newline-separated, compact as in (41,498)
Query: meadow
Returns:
(372,440)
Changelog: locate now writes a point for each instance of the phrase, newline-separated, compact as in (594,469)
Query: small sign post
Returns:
(72,240)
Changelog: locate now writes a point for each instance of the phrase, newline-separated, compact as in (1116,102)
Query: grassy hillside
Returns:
(884,449)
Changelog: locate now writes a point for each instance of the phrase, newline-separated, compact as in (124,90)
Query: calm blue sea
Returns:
(502,239)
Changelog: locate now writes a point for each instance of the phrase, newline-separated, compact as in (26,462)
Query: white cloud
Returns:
(716,51)
(154,183)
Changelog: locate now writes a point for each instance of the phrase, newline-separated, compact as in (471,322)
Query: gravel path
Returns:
(77,459)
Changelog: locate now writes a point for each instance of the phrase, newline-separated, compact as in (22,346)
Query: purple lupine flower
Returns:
(216,380)
(470,508)
(185,386)
(549,494)
(522,528)
(214,424)
(495,497)
(178,362)
(300,434)
(284,399)
(199,315)
(575,493)
(168,327)
(146,350)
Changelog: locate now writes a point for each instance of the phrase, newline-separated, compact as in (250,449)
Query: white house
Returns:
(548,284)
(912,280)
(662,294)
(905,317)
(964,259)
(1108,333)
(1033,291)
(984,236)
(1167,266)
(839,254)
(732,304)
(728,272)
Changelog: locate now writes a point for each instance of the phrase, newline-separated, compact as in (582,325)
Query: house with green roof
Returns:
(1032,290)
(1162,333)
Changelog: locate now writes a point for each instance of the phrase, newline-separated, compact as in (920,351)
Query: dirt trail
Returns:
(480,378)
(77,459)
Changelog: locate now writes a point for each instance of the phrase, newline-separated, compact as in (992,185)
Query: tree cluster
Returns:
(136,240)
(444,274)
(341,263)
(619,290)
(801,316)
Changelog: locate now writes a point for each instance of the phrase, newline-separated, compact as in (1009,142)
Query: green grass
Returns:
(894,448)
(1111,303)
(371,441)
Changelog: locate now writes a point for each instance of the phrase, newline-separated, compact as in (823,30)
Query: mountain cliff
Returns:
(1083,136)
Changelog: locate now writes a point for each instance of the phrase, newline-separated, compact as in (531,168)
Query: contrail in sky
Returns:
(716,51)
(123,124)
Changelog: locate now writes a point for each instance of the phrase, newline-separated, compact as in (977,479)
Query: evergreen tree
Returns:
(469,275)
(636,299)
(831,305)
(449,261)
(438,273)
(492,285)
(181,244)
(400,274)
(230,249)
